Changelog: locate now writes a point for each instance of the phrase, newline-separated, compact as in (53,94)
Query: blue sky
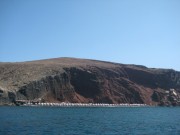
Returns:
(143,32)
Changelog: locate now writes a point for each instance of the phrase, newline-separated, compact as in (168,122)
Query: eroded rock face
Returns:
(79,80)
(57,87)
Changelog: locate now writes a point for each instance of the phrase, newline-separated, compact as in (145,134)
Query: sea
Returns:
(89,120)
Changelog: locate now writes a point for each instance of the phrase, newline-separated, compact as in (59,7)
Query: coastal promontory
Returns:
(87,81)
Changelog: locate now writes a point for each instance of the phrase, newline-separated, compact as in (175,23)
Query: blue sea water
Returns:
(89,121)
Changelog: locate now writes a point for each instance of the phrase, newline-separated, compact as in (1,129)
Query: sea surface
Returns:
(89,121)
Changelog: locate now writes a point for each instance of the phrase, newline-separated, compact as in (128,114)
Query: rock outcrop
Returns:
(81,80)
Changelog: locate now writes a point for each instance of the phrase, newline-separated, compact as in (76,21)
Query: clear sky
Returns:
(143,32)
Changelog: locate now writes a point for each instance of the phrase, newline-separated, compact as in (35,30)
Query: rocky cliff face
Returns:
(80,80)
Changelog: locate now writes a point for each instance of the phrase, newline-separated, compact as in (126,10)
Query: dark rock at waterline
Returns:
(82,80)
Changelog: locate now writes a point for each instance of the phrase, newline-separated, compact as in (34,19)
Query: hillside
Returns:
(82,80)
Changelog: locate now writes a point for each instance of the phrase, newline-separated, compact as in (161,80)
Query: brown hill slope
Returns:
(81,80)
